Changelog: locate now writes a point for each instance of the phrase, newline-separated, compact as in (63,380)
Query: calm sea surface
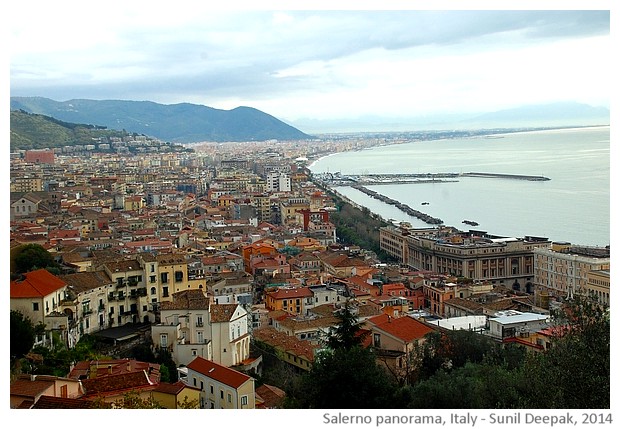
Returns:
(573,206)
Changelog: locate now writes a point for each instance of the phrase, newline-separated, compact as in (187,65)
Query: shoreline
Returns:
(492,132)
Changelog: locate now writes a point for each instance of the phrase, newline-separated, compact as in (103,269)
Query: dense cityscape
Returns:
(227,275)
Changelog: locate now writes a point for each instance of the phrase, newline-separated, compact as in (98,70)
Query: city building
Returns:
(563,269)
(220,387)
(475,255)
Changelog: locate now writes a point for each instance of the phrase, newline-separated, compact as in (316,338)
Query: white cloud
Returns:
(311,64)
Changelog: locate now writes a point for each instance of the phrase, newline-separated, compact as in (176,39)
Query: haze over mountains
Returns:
(188,123)
(559,114)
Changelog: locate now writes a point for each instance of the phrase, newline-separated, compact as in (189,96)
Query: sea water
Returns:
(573,206)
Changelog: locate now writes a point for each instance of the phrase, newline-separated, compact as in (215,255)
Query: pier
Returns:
(507,176)
(403,207)
(337,179)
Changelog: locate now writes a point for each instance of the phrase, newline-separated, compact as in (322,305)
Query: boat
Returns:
(425,203)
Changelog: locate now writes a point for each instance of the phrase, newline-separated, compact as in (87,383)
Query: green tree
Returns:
(22,333)
(347,333)
(345,379)
(345,374)
(30,257)
(575,371)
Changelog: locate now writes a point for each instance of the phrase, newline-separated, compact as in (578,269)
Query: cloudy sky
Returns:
(310,64)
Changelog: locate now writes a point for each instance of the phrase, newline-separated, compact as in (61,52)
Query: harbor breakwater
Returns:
(403,207)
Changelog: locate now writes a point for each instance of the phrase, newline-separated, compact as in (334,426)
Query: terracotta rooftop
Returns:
(87,280)
(285,293)
(191,299)
(30,388)
(286,342)
(270,396)
(217,372)
(222,312)
(123,265)
(404,328)
(113,384)
(36,284)
(173,388)
(52,402)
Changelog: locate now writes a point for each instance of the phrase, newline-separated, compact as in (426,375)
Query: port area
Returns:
(403,207)
(507,176)
(337,179)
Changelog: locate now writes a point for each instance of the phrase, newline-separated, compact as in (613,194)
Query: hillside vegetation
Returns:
(176,123)
(33,131)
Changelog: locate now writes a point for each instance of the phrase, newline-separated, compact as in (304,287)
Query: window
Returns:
(165,291)
(221,394)
(244,400)
(178,276)
(229,398)
(35,306)
(164,278)
(377,340)
(211,387)
(163,342)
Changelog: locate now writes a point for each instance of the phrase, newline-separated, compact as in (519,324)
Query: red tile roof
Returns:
(51,402)
(222,312)
(30,388)
(36,284)
(173,388)
(220,373)
(271,396)
(404,328)
(115,384)
(284,293)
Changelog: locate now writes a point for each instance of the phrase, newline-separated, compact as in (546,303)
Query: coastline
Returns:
(577,164)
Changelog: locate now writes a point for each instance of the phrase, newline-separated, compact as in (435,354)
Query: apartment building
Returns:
(220,387)
(597,285)
(192,326)
(563,269)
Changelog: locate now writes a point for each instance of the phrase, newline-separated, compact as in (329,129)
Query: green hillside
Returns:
(32,131)
(176,123)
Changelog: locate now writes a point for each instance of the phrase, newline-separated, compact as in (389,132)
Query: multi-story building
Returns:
(220,387)
(278,182)
(597,285)
(291,300)
(129,301)
(39,296)
(475,255)
(26,184)
(191,325)
(563,269)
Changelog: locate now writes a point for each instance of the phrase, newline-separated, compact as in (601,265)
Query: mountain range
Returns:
(176,123)
(190,123)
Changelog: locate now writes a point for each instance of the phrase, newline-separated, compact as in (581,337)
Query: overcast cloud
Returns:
(311,64)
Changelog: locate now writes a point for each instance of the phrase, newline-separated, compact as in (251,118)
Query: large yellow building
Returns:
(564,270)
(506,261)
